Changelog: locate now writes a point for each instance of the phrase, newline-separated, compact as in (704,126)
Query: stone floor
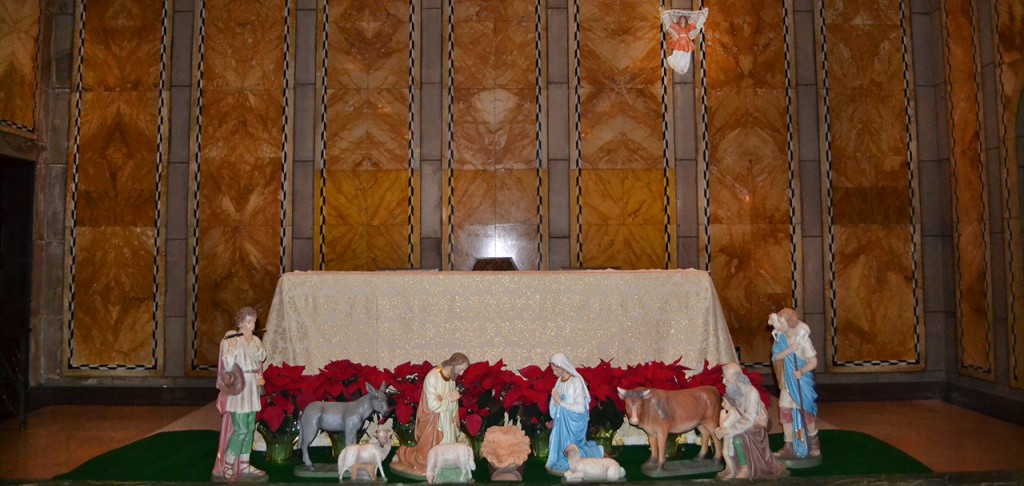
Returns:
(944,437)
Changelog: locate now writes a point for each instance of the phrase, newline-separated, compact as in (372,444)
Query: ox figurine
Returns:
(347,417)
(663,412)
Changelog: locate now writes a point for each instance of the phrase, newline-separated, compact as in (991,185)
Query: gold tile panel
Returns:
(114,262)
(19,31)
(623,197)
(750,265)
(865,56)
(625,247)
(865,122)
(367,248)
(748,124)
(875,294)
(745,52)
(122,45)
(620,53)
(238,266)
(860,12)
(475,198)
(368,129)
(367,198)
(243,48)
(376,11)
(495,54)
(974,321)
(748,191)
(495,129)
(621,129)
(490,11)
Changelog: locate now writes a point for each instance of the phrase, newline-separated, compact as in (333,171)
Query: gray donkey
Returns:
(347,417)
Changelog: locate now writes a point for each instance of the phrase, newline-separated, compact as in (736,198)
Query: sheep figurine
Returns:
(450,455)
(365,457)
(591,468)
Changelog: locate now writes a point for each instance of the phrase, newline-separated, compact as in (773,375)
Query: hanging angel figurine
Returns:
(682,27)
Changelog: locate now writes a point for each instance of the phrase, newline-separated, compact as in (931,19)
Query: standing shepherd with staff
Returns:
(794,358)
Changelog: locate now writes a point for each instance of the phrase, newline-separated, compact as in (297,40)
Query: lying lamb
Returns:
(591,468)
(365,457)
(450,455)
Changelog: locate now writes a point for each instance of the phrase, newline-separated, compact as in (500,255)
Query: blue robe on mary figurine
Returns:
(570,413)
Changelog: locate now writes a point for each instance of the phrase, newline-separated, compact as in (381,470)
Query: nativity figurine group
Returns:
(735,424)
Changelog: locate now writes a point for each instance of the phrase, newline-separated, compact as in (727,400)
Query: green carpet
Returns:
(188,457)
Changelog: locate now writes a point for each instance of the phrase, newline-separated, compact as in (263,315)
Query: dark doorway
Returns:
(17,190)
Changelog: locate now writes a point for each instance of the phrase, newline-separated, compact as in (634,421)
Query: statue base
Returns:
(324,470)
(800,462)
(555,472)
(406,471)
(682,468)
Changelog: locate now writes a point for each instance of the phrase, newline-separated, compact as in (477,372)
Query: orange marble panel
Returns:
(240,190)
(865,57)
(750,265)
(122,45)
(974,327)
(748,124)
(745,54)
(621,53)
(1008,23)
(475,198)
(870,205)
(515,197)
(368,129)
(491,11)
(875,293)
(595,11)
(495,129)
(626,247)
(378,10)
(515,51)
(869,171)
(623,197)
(19,32)
(859,12)
(244,46)
(114,296)
(257,134)
(974,332)
(117,125)
(745,191)
(366,54)
(518,241)
(238,266)
(621,129)
(867,122)
(239,225)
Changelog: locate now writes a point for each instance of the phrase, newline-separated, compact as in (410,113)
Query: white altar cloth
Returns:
(387,318)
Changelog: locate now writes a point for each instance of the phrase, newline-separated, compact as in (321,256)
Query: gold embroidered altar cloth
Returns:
(387,318)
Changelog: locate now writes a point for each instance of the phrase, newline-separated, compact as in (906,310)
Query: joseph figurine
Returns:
(437,417)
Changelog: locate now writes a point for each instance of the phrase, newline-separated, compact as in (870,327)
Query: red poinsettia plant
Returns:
(606,409)
(406,380)
(483,387)
(528,399)
(284,396)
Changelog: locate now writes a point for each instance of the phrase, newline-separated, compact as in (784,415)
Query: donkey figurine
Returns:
(347,417)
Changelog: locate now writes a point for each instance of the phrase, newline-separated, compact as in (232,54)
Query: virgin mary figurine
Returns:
(570,414)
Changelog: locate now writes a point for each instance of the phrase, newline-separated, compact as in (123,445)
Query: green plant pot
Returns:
(337,443)
(405,433)
(280,444)
(603,438)
(540,444)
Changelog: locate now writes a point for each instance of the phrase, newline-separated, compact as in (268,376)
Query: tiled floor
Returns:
(944,437)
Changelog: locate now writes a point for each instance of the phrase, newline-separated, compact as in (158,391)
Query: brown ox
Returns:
(663,412)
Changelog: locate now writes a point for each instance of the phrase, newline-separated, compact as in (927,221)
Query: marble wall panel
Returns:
(622,181)
(237,165)
(116,188)
(368,185)
(19,39)
(1008,23)
(494,196)
(975,353)
(870,196)
(750,230)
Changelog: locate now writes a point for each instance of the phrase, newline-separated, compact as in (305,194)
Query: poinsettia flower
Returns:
(273,416)
(473,424)
(284,403)
(304,399)
(403,412)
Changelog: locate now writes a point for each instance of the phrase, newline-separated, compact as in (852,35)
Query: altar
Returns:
(387,318)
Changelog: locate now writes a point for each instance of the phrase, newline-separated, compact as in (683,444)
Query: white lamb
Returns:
(365,457)
(591,468)
(450,455)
